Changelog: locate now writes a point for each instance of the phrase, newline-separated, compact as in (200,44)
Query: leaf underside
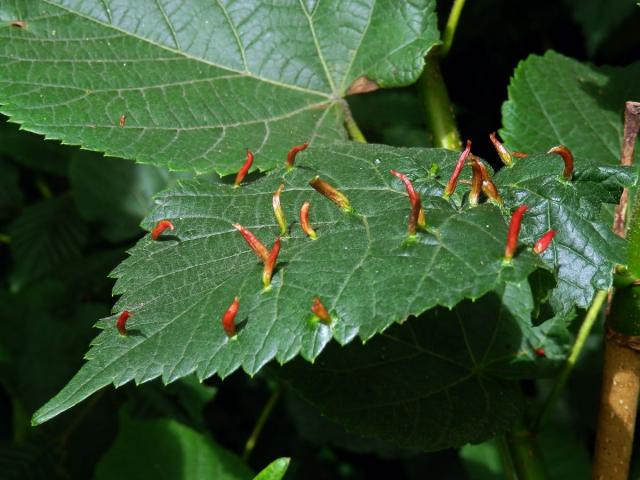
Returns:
(438,381)
(361,266)
(198,81)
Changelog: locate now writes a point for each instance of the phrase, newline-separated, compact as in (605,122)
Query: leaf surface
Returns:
(361,267)
(196,81)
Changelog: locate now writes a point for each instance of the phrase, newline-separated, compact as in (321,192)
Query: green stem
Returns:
(505,458)
(450,28)
(437,106)
(257,429)
(526,455)
(583,333)
(352,127)
(43,188)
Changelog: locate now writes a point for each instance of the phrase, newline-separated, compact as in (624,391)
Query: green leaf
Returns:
(584,249)
(482,461)
(275,470)
(598,18)
(166,449)
(361,266)
(429,383)
(554,99)
(200,81)
(114,192)
(44,237)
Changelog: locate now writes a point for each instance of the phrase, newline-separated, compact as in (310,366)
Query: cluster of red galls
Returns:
(481,182)
(268,257)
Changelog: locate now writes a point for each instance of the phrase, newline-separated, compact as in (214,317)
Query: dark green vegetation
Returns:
(434,344)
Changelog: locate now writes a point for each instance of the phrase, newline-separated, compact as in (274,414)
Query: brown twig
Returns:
(631,127)
(621,369)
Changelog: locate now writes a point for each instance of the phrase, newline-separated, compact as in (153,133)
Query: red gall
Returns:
(244,169)
(567,156)
(543,242)
(229,318)
(255,244)
(476,182)
(503,153)
(291,156)
(331,193)
(514,231)
(320,311)
(488,187)
(121,323)
(453,179)
(278,212)
(304,221)
(160,227)
(270,264)
(414,197)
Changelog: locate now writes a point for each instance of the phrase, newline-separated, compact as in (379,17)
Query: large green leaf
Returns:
(554,99)
(166,449)
(199,81)
(360,266)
